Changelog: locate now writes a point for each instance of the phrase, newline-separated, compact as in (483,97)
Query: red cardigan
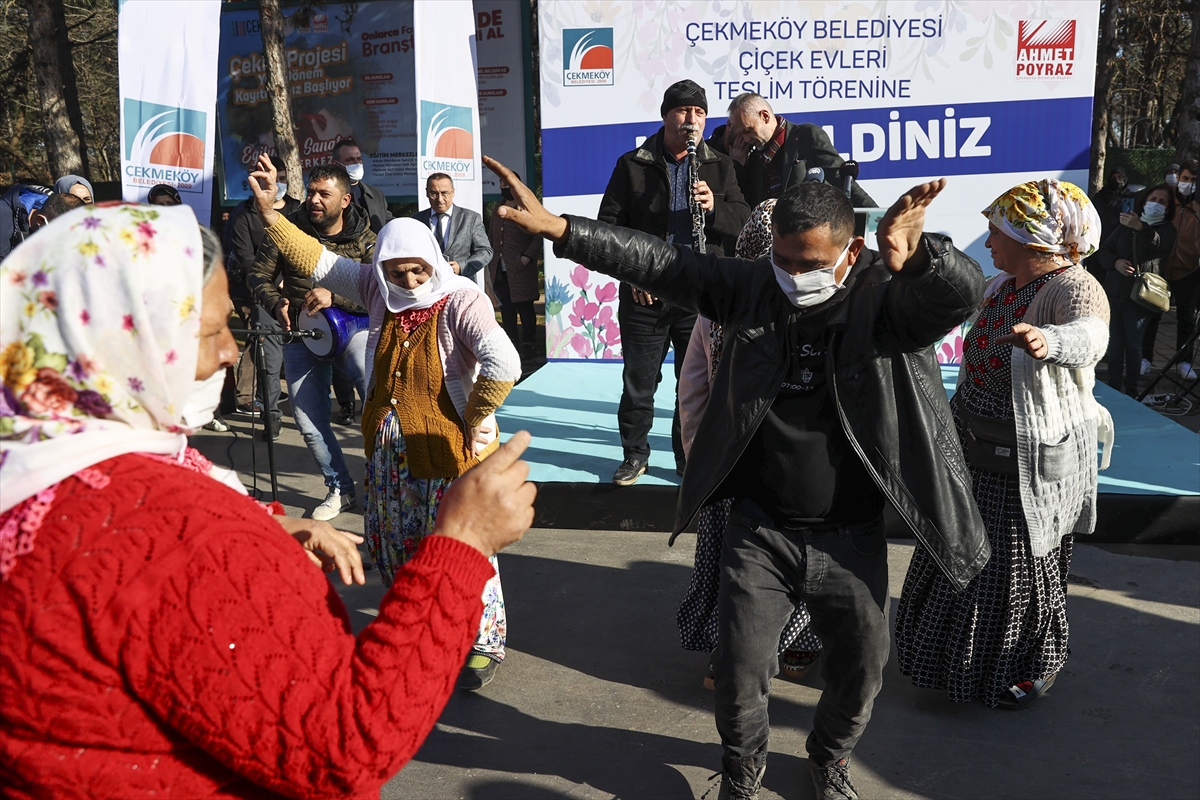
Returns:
(165,638)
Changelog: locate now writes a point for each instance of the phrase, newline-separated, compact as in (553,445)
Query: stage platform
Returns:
(1151,492)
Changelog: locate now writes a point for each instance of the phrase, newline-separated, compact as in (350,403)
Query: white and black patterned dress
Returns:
(697,615)
(1010,623)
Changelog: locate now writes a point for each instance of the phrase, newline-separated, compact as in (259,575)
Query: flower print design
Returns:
(187,307)
(981,341)
(85,317)
(16,366)
(49,300)
(127,323)
(88,248)
(49,394)
(1020,312)
(996,362)
(557,296)
(40,278)
(91,223)
(581,345)
(606,293)
(136,384)
(92,404)
(171,357)
(580,277)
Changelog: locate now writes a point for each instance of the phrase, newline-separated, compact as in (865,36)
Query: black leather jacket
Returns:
(886,382)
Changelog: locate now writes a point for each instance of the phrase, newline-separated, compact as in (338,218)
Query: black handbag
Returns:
(992,444)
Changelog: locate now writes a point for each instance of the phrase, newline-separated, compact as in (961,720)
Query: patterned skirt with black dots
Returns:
(1010,623)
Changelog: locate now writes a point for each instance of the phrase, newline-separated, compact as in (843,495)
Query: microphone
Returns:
(815,174)
(296,335)
(849,173)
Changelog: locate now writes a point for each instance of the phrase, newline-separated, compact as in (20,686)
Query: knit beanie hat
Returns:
(684,93)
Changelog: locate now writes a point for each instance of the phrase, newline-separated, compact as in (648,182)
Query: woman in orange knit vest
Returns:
(438,367)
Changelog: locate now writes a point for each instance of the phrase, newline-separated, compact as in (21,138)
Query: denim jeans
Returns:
(1124,357)
(840,572)
(647,333)
(308,379)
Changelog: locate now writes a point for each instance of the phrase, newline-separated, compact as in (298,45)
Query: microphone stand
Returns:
(260,358)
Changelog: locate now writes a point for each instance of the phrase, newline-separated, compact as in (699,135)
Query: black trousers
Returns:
(647,333)
(510,312)
(840,572)
(273,353)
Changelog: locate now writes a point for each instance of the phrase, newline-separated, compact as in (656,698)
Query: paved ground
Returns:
(597,700)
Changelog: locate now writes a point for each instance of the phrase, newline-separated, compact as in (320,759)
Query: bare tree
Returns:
(1187,141)
(61,137)
(271,24)
(1105,56)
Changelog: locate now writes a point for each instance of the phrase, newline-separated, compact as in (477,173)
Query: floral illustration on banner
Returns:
(590,329)
(950,349)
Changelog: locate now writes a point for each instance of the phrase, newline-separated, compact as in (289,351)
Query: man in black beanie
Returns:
(650,190)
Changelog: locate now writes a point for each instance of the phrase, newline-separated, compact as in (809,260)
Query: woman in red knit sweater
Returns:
(160,633)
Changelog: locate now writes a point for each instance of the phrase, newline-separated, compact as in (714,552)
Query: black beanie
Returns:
(684,93)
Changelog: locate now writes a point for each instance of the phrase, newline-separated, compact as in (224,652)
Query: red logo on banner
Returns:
(1046,49)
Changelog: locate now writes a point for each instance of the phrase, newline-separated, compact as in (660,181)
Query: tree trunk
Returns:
(271,24)
(1187,142)
(62,41)
(1105,53)
(62,143)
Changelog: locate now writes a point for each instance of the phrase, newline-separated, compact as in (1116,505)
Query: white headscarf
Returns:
(99,327)
(409,238)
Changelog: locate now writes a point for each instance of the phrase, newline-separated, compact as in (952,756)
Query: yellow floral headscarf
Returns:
(1050,216)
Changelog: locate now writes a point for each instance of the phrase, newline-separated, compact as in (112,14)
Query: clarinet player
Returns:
(688,197)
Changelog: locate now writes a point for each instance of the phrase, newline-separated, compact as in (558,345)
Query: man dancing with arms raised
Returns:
(830,403)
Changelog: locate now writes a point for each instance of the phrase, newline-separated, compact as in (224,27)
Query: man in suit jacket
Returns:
(370,199)
(777,154)
(458,230)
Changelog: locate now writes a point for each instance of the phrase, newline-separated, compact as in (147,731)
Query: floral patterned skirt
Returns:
(400,511)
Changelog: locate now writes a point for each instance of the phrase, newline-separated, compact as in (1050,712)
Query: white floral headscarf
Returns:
(1050,216)
(99,326)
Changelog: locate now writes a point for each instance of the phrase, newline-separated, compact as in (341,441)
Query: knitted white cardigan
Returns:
(1058,420)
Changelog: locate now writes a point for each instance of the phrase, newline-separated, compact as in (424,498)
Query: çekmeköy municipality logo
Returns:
(1045,49)
(587,56)
(164,144)
(447,140)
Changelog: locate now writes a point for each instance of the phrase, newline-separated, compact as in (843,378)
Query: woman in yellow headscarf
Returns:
(1029,425)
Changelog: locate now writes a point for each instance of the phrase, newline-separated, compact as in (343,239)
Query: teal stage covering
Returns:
(571,410)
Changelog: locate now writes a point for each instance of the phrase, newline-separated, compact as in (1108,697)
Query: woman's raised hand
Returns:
(263,184)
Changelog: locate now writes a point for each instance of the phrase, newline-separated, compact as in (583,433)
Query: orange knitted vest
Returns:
(409,381)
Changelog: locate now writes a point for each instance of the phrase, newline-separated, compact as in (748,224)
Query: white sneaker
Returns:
(334,504)
(1146,365)
(1186,372)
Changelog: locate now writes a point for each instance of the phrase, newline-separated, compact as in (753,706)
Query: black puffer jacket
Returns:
(638,195)
(356,240)
(886,382)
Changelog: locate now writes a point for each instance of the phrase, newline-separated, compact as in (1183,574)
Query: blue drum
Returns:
(337,327)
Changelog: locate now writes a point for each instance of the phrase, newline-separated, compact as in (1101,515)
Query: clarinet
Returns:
(698,239)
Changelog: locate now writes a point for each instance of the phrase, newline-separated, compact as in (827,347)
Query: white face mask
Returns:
(1153,213)
(1186,189)
(411,295)
(1171,179)
(200,408)
(280,190)
(810,288)
(355,171)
